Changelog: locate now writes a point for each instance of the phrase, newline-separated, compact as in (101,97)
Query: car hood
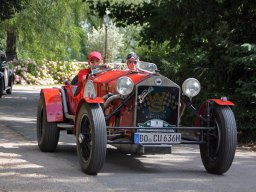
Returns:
(108,79)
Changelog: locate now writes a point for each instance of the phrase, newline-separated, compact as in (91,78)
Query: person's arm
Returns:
(82,74)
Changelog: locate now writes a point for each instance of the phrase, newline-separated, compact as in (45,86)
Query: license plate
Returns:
(170,138)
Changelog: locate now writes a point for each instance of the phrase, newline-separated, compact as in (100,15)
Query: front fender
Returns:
(53,104)
(221,102)
(202,108)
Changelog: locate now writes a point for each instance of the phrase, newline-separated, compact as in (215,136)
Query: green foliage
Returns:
(51,29)
(8,8)
(115,41)
(210,40)
(62,30)
(2,42)
(162,55)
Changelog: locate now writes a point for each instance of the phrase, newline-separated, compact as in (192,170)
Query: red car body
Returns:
(137,112)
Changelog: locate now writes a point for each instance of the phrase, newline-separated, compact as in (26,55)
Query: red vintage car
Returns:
(137,112)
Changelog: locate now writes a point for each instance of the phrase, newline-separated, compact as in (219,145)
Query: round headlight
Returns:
(191,87)
(89,89)
(124,85)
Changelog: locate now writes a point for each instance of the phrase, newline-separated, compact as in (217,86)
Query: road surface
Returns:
(24,168)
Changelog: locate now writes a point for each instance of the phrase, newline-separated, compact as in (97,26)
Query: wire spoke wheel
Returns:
(84,138)
(214,137)
(91,138)
(218,153)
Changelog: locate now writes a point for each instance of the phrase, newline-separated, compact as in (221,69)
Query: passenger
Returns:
(131,61)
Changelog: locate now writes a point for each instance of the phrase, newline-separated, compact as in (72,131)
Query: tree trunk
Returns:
(11,41)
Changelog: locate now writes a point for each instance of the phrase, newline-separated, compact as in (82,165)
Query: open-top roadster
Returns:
(137,112)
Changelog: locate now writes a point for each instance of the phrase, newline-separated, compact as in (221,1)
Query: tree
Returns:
(8,8)
(115,42)
(212,40)
(46,29)
(54,29)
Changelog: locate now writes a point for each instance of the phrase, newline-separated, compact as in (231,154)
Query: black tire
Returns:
(47,132)
(9,91)
(218,154)
(75,80)
(1,88)
(91,138)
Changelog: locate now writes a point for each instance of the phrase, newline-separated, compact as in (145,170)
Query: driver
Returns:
(131,61)
(94,60)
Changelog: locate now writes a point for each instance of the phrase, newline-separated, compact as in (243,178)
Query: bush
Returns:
(29,72)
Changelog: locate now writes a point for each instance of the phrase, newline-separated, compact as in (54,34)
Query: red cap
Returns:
(94,54)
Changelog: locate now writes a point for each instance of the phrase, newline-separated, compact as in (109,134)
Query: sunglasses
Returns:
(135,62)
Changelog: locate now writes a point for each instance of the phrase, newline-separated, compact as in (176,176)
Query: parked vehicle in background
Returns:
(6,76)
(137,112)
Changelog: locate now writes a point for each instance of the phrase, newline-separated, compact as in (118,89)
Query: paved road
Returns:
(24,168)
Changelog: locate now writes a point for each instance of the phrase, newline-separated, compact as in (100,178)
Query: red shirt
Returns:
(82,74)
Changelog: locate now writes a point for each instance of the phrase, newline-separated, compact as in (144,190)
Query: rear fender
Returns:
(97,100)
(53,103)
(203,107)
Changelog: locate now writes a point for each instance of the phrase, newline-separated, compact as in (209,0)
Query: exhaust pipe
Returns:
(64,103)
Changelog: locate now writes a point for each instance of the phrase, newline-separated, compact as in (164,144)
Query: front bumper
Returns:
(196,134)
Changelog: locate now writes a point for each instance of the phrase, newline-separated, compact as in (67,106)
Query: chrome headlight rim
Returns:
(191,87)
(124,85)
(89,90)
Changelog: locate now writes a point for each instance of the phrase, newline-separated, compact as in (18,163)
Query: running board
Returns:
(66,126)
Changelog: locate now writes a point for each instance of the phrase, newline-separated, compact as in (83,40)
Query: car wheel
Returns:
(91,138)
(47,132)
(9,91)
(1,88)
(218,153)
